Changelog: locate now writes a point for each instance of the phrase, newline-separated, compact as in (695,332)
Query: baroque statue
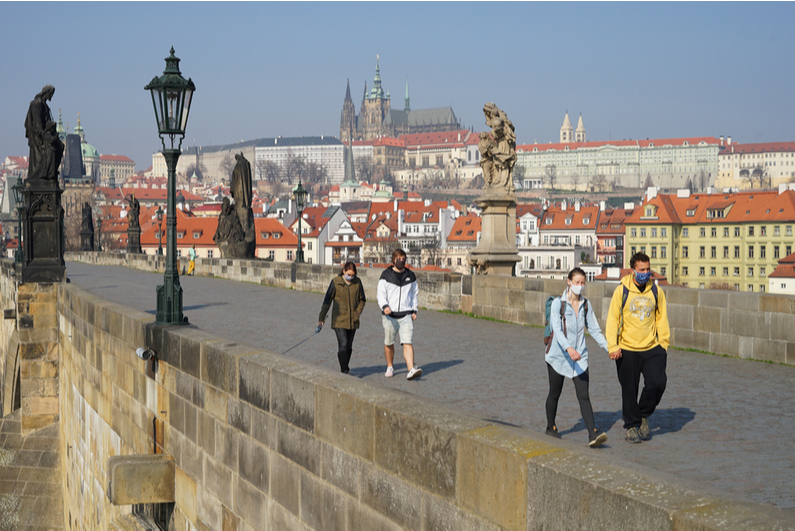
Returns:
(87,229)
(497,151)
(46,148)
(133,212)
(236,235)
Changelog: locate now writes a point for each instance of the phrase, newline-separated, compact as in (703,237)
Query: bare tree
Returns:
(227,166)
(757,175)
(519,173)
(431,252)
(551,174)
(599,182)
(316,173)
(268,171)
(199,169)
(365,169)
(703,180)
(575,180)
(294,167)
(648,183)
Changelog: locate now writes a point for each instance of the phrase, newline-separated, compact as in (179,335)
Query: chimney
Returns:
(427,202)
(577,205)
(729,141)
(401,215)
(563,205)
(459,137)
(602,206)
(396,205)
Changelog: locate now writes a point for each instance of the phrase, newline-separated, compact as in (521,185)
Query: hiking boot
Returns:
(415,372)
(632,436)
(644,432)
(390,372)
(553,432)
(597,439)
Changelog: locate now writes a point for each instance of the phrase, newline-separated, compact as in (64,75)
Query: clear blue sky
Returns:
(634,70)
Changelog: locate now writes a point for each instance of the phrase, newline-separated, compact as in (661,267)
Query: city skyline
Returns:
(263,70)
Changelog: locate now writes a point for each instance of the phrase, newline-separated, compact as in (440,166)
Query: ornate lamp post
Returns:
(171,98)
(17,188)
(300,201)
(159,231)
(98,213)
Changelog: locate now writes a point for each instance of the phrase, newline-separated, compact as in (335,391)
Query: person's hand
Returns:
(575,356)
(414,317)
(320,324)
(387,310)
(615,355)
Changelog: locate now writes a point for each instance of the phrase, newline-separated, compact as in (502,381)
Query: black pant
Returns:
(651,364)
(345,344)
(580,387)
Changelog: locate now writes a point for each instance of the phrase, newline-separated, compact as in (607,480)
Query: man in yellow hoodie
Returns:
(638,336)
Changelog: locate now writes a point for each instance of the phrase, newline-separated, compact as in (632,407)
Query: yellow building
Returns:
(718,241)
(764,165)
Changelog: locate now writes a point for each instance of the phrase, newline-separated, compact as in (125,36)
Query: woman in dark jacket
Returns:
(347,293)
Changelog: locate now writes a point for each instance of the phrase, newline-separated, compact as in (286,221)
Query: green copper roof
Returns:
(88,150)
(377,92)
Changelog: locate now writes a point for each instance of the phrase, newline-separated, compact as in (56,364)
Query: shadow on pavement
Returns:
(199,306)
(400,368)
(670,420)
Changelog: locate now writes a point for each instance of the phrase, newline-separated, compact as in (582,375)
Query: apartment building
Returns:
(763,165)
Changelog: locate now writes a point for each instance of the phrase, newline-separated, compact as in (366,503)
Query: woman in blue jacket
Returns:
(567,356)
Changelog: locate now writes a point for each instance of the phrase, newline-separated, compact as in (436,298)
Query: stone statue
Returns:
(87,229)
(133,212)
(498,151)
(46,149)
(236,235)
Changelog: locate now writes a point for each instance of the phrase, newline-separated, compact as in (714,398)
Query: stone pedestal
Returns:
(42,234)
(496,253)
(134,240)
(87,241)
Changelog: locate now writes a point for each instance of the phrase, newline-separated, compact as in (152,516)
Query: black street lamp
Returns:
(17,188)
(300,201)
(171,98)
(159,231)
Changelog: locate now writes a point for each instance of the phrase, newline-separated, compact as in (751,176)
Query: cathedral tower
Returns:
(348,118)
(566,131)
(375,109)
(579,133)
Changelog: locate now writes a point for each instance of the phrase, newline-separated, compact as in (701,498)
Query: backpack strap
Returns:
(552,332)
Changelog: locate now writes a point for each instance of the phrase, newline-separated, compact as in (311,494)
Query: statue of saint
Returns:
(87,224)
(498,150)
(229,229)
(44,149)
(133,212)
(242,194)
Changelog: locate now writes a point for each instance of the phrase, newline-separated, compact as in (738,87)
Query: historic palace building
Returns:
(377,119)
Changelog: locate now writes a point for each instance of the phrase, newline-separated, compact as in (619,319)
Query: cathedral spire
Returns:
(348,91)
(579,133)
(566,130)
(377,92)
(407,100)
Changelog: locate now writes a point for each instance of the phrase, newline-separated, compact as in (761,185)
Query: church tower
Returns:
(348,117)
(566,130)
(579,133)
(375,109)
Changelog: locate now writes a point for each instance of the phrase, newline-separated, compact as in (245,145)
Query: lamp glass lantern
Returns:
(159,213)
(299,194)
(172,96)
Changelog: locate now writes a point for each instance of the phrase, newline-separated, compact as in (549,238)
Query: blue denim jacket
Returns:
(557,356)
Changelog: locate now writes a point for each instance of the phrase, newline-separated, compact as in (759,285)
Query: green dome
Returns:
(89,151)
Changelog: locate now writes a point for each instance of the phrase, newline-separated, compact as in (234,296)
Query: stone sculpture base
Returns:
(42,234)
(239,249)
(87,241)
(134,240)
(496,253)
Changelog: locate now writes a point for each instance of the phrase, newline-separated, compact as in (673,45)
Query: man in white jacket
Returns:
(398,296)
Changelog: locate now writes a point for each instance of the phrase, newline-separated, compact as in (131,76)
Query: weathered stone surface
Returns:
(141,479)
(255,383)
(253,463)
(293,400)
(285,484)
(345,421)
(323,507)
(341,469)
(251,504)
(298,446)
(391,496)
(185,495)
(441,515)
(739,515)
(218,479)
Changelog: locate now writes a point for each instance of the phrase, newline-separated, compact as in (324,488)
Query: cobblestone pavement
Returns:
(723,423)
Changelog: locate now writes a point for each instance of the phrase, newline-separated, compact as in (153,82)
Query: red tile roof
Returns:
(657,142)
(558,217)
(763,147)
(465,229)
(785,268)
(427,140)
(116,158)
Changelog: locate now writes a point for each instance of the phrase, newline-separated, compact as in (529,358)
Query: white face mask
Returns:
(576,288)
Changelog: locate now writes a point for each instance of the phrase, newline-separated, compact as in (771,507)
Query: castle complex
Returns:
(377,119)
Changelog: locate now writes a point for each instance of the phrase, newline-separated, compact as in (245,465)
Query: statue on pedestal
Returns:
(236,235)
(133,226)
(496,252)
(87,229)
(46,148)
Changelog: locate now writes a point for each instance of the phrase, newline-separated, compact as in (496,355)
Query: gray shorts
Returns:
(392,327)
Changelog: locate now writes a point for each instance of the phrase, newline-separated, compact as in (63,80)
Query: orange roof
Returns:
(146,194)
(116,158)
(427,140)
(658,142)
(609,218)
(555,218)
(386,141)
(763,147)
(465,229)
(532,208)
(785,268)
(272,226)
(741,207)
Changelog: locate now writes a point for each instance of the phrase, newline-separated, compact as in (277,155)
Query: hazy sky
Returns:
(634,70)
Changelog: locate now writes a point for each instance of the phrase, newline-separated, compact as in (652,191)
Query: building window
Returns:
(762,271)
(179,253)
(424,161)
(653,232)
(663,252)
(712,271)
(750,251)
(209,253)
(736,287)
(684,232)
(788,248)
(751,230)
(725,271)
(642,233)
(750,271)
(196,235)
(736,271)
(662,271)
(776,231)
(736,232)
(701,271)
(684,271)
(664,232)
(714,232)
(762,251)
(763,230)
(703,232)
(632,251)
(457,261)
(289,255)
(713,252)
(684,251)
(725,251)
(775,252)
(762,288)
(633,232)
(789,230)
(737,251)
(272,255)
(701,252)
(180,235)
(725,232)
(653,251)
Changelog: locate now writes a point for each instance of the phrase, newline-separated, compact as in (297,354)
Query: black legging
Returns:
(345,344)
(581,388)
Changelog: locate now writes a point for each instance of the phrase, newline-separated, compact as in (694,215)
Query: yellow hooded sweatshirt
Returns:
(644,327)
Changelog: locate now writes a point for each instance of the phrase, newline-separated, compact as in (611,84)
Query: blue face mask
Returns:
(642,278)
(348,277)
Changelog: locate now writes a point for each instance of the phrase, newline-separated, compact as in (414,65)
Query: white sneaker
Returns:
(390,372)
(415,372)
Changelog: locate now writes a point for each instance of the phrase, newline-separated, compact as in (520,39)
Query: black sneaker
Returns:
(632,436)
(597,439)
(553,432)
(644,432)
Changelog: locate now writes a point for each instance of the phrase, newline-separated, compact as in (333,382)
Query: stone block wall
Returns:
(261,441)
(747,325)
